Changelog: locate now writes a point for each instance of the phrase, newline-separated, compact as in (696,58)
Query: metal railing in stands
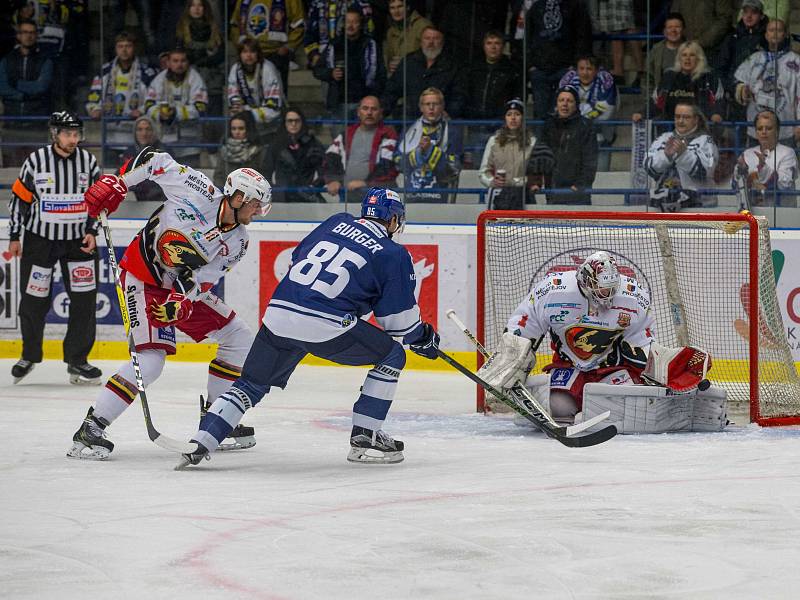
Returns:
(481,193)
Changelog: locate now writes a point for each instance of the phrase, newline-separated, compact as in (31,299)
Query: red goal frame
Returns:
(745,218)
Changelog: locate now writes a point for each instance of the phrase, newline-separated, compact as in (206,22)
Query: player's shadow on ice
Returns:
(443,426)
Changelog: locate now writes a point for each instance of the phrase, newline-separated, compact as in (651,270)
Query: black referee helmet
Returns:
(64,119)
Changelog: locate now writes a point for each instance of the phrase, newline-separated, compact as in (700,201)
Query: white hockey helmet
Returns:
(598,278)
(252,184)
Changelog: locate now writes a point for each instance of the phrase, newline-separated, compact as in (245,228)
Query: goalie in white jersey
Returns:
(600,325)
(602,331)
(167,273)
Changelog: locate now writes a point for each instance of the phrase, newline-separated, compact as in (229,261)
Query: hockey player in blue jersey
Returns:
(344,269)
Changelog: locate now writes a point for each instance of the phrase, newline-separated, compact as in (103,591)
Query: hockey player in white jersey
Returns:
(167,273)
(602,331)
(345,269)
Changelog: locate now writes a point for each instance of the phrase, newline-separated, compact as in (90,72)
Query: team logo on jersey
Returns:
(586,342)
(175,250)
(348,320)
(624,320)
(182,169)
(523,321)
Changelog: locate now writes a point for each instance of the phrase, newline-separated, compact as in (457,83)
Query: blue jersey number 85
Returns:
(333,258)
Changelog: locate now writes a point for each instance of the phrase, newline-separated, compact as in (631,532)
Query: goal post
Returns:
(710,278)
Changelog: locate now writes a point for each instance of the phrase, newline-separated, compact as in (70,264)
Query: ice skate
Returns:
(21,369)
(367,446)
(90,442)
(241,437)
(193,458)
(84,374)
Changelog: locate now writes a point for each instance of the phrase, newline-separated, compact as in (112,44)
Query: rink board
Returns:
(444,262)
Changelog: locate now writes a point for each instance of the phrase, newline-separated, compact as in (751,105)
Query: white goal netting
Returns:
(698,270)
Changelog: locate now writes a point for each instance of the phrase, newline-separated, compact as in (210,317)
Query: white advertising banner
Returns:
(443,256)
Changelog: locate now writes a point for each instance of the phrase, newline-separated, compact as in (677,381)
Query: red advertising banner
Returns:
(274,258)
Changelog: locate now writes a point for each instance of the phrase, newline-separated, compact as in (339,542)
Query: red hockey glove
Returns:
(174,309)
(105,194)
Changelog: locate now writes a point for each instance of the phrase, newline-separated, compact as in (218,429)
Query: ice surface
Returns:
(481,508)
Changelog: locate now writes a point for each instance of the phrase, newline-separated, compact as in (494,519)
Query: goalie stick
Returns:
(519,392)
(561,434)
(155,436)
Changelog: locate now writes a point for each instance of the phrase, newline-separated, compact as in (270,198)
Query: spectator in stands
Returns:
(428,67)
(690,78)
(682,161)
(573,141)
(492,81)
(277,25)
(352,67)
(616,17)
(176,99)
(294,159)
(597,100)
(662,55)
(403,34)
(363,157)
(144,135)
(464,23)
(254,85)
(25,78)
(505,157)
(428,155)
(325,22)
(738,46)
(198,33)
(144,16)
(771,79)
(769,165)
(119,92)
(707,22)
(240,147)
(557,32)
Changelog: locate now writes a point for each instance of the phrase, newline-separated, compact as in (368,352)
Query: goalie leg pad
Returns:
(511,362)
(649,409)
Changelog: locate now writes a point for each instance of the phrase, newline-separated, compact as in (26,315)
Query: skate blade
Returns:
(79,380)
(375,457)
(81,451)
(239,443)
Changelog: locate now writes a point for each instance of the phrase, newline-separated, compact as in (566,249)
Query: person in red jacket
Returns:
(362,157)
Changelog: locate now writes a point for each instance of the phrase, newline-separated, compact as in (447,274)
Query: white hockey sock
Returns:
(120,389)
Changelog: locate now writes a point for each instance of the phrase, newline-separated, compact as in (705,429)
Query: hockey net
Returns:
(710,278)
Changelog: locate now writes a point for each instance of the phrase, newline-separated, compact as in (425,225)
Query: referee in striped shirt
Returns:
(47,202)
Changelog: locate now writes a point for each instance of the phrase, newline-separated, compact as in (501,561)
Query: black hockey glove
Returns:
(428,344)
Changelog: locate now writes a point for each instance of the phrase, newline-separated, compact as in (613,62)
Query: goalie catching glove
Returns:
(105,194)
(680,369)
(174,309)
(511,362)
(428,344)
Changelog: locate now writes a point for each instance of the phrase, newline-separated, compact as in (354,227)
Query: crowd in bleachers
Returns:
(210,81)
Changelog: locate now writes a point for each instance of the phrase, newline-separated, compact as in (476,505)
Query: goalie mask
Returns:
(598,279)
(252,184)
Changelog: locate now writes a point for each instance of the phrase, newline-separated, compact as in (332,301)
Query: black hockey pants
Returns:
(39,255)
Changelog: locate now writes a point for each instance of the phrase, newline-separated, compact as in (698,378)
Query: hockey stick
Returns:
(519,392)
(534,416)
(158,438)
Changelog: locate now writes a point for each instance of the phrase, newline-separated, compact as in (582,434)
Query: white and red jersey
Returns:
(183,246)
(588,340)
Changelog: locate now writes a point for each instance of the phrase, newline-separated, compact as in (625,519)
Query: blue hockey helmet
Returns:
(383,204)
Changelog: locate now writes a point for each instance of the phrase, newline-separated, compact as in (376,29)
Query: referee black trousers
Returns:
(81,328)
